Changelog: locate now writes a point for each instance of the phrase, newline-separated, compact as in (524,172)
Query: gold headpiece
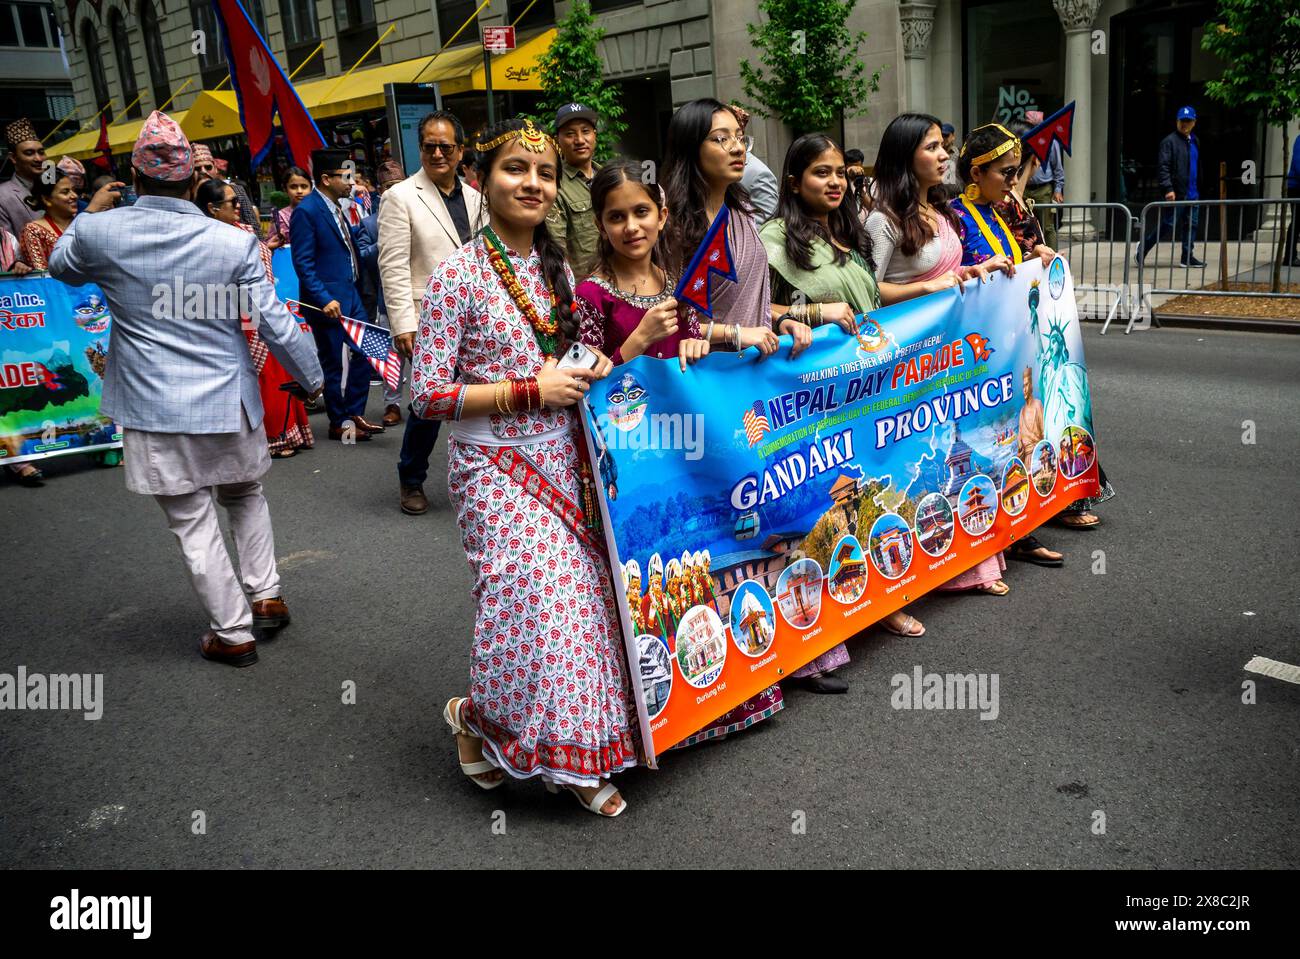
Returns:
(1011,145)
(533,139)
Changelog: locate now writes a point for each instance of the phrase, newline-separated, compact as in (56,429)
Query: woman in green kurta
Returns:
(819,257)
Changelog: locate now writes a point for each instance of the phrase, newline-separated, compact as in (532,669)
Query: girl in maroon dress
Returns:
(626,309)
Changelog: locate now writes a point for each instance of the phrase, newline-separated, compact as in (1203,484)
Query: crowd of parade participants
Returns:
(504,248)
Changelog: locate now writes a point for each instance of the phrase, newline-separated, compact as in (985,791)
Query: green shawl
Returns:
(852,283)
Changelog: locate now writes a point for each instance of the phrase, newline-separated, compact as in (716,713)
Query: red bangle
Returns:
(519,400)
(536,392)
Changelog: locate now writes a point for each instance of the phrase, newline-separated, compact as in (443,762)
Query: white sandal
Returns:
(607,792)
(451,714)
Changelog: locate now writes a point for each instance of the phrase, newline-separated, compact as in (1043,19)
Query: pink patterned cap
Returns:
(162,150)
(201,153)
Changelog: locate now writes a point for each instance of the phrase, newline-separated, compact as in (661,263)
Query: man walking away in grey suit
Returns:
(180,379)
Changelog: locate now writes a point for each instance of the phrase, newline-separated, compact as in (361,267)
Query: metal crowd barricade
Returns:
(1097,241)
(1238,263)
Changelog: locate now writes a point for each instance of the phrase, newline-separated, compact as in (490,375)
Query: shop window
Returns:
(94,65)
(153,52)
(1008,74)
(355,22)
(301,37)
(125,63)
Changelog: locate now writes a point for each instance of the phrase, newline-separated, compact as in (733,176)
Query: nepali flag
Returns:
(105,159)
(713,256)
(1059,127)
(377,345)
(263,89)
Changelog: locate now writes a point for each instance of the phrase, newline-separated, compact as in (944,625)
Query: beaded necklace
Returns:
(545,329)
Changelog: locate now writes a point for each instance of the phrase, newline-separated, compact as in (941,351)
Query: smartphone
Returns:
(578,356)
(128,195)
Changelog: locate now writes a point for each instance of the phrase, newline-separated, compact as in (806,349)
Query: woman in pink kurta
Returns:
(549,689)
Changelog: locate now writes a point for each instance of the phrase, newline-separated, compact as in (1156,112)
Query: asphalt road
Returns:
(1120,693)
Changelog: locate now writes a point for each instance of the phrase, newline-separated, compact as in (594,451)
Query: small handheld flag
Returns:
(376,345)
(1059,126)
(713,256)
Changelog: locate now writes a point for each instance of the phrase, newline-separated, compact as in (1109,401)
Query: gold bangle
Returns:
(820,319)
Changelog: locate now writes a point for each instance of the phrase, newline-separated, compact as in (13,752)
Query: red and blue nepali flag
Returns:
(756,423)
(377,346)
(1059,127)
(713,256)
(263,89)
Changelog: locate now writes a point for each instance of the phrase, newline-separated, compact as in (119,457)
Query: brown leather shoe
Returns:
(414,501)
(211,647)
(270,613)
(365,424)
(359,435)
(392,414)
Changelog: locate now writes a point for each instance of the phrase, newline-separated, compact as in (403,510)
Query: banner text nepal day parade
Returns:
(762,513)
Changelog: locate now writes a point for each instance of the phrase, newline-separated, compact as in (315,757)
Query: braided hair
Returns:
(551,252)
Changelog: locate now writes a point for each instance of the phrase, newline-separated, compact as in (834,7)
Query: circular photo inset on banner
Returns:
(1056,278)
(890,544)
(656,672)
(1015,487)
(1077,452)
(977,504)
(1043,463)
(799,593)
(847,579)
(935,524)
(701,646)
(753,618)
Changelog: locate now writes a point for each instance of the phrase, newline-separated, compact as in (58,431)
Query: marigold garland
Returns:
(545,329)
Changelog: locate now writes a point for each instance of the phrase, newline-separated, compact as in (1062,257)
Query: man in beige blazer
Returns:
(422,221)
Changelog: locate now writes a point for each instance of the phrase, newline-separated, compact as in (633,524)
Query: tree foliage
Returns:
(1259,43)
(811,72)
(571,72)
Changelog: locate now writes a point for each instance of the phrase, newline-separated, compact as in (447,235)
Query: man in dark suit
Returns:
(326,259)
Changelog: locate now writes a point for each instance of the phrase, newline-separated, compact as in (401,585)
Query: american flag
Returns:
(377,346)
(756,423)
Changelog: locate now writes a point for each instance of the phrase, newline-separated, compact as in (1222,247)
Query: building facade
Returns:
(33,71)
(1128,64)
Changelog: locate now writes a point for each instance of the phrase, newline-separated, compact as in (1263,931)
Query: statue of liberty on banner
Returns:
(1067,400)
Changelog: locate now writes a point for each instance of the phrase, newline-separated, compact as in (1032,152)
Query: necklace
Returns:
(655,274)
(544,328)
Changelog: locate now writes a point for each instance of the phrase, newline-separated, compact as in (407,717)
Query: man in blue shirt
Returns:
(1177,168)
(1291,257)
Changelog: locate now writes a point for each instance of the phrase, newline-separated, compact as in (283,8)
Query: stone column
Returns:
(1077,16)
(917,23)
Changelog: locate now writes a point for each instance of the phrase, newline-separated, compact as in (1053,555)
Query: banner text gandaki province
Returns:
(760,511)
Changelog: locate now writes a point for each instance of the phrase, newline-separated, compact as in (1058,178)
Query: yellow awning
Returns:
(121,138)
(516,70)
(215,113)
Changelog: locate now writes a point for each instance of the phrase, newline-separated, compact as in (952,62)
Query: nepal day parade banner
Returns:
(53,353)
(761,511)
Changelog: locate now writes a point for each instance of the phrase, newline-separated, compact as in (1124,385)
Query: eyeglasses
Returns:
(446,149)
(1007,172)
(724,141)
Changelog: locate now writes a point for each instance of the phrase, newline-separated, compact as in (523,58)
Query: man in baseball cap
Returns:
(1178,169)
(571,221)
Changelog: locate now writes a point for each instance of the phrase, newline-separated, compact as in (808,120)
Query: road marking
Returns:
(1271,667)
